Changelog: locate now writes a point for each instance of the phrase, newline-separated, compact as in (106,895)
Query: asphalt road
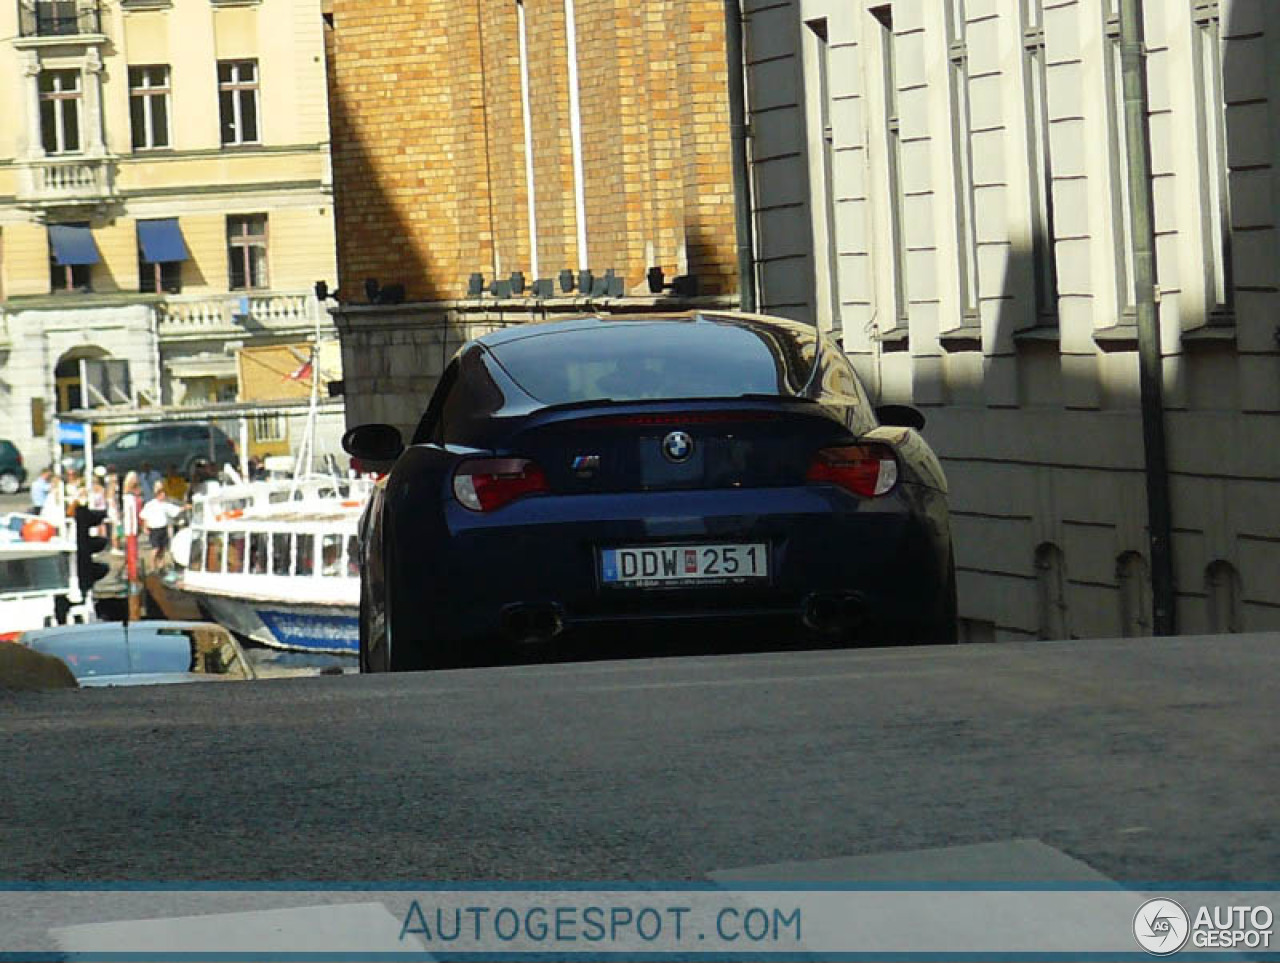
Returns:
(1146,760)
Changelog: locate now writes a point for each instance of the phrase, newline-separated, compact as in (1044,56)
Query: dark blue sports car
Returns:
(608,472)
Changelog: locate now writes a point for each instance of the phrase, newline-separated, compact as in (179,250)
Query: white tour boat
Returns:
(276,561)
(35,577)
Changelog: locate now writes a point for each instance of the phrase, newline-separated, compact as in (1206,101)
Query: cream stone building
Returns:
(165,198)
(944,183)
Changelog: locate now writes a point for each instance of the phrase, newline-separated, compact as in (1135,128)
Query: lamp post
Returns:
(1133,56)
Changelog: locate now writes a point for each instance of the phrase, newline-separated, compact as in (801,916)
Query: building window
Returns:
(1223,593)
(159,278)
(1121,202)
(69,278)
(1036,73)
(60,111)
(893,141)
(1214,174)
(1134,579)
(247,252)
(238,101)
(268,428)
(962,160)
(1051,593)
(149,107)
(58,18)
(817,79)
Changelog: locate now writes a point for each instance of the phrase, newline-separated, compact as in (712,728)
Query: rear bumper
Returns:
(544,552)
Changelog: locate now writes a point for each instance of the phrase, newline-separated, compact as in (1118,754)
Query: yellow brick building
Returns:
(165,196)
(537,137)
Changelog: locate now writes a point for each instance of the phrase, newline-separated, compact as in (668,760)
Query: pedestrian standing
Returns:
(40,490)
(131,504)
(175,485)
(54,509)
(158,515)
(148,478)
(115,517)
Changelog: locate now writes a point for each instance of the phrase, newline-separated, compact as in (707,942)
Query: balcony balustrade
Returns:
(53,182)
(195,316)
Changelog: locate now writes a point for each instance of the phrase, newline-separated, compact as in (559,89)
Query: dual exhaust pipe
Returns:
(529,624)
(834,613)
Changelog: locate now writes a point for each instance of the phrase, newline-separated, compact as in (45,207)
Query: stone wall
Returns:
(1003,306)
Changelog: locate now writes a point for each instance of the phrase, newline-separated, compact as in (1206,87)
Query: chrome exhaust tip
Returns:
(831,613)
(531,624)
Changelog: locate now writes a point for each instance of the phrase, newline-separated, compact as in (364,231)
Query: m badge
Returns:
(586,465)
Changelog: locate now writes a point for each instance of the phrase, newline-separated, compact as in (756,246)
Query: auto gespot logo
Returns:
(1162,927)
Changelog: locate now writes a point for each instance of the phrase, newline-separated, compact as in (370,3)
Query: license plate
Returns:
(673,566)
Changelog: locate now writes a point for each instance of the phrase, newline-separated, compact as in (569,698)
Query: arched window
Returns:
(1222,591)
(1135,595)
(1051,592)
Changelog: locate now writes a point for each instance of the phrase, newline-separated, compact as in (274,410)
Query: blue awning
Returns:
(162,241)
(73,244)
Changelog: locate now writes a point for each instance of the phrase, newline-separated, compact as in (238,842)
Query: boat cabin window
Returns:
(281,554)
(258,551)
(39,574)
(235,553)
(306,555)
(332,563)
(277,497)
(196,560)
(353,557)
(213,557)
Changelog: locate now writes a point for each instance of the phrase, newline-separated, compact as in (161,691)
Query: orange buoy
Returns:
(38,530)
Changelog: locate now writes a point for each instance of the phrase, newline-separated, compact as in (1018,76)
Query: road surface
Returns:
(1145,760)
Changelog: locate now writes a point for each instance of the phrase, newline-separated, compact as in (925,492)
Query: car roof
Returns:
(532,329)
(106,629)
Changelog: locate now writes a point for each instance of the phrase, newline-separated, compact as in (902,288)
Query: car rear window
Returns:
(638,361)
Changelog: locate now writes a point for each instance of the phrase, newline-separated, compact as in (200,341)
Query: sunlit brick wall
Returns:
(430,142)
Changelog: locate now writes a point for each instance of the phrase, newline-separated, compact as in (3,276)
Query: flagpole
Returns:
(306,453)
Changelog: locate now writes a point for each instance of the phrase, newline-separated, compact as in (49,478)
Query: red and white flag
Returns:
(302,374)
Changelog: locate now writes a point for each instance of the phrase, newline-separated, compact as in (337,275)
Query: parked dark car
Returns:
(145,653)
(163,445)
(13,473)
(607,472)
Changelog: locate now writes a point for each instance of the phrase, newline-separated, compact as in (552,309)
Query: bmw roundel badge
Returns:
(678,447)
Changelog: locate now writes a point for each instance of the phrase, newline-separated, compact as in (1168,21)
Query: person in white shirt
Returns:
(157,515)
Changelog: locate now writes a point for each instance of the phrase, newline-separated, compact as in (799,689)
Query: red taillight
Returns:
(486,484)
(866,470)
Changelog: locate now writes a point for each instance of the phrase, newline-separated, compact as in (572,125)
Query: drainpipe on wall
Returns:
(1150,364)
(741,170)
